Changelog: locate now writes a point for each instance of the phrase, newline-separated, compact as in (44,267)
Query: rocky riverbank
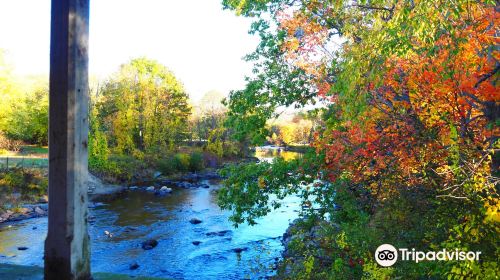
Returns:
(97,189)
(163,186)
(303,238)
(24,212)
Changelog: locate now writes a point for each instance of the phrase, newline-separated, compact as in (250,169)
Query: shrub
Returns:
(231,150)
(166,166)
(122,168)
(196,162)
(28,182)
(182,162)
(9,144)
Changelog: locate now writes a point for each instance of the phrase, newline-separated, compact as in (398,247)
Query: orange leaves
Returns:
(415,99)
(304,42)
(323,89)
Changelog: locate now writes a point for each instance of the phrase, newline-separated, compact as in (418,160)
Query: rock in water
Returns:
(239,250)
(150,189)
(218,233)
(195,221)
(149,244)
(166,189)
(134,266)
(163,191)
(22,248)
(196,243)
(39,211)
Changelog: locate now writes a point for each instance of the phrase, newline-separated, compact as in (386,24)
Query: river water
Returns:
(138,216)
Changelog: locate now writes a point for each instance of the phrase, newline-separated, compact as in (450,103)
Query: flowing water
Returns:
(138,216)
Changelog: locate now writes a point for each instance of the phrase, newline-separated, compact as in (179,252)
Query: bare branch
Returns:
(487,76)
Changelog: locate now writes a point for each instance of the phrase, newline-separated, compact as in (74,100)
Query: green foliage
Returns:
(181,162)
(123,168)
(166,166)
(23,107)
(196,162)
(400,160)
(97,145)
(248,188)
(28,182)
(215,144)
(29,118)
(143,107)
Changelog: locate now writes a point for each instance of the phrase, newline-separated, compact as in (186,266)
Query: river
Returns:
(138,216)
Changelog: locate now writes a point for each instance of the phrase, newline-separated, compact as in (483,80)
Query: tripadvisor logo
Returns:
(387,255)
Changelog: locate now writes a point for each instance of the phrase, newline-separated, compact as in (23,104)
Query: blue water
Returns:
(139,216)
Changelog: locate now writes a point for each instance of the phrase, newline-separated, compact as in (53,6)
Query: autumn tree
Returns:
(143,107)
(410,127)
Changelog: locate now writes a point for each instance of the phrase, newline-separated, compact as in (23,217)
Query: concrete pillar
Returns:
(67,248)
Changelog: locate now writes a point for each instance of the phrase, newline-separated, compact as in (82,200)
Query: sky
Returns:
(202,44)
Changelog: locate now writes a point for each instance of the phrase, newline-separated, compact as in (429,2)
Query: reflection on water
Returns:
(139,216)
(268,153)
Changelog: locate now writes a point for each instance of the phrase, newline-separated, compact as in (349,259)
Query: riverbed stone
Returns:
(39,211)
(22,248)
(6,215)
(239,250)
(195,221)
(166,189)
(219,233)
(149,244)
(150,189)
(185,185)
(134,266)
(196,243)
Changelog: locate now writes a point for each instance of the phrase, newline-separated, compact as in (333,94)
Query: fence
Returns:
(23,162)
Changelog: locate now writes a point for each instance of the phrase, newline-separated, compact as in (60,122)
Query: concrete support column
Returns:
(67,248)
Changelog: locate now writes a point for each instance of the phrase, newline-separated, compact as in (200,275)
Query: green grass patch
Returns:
(21,272)
(31,149)
(25,162)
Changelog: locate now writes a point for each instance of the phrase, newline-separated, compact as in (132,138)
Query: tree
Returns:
(410,122)
(208,115)
(29,118)
(144,107)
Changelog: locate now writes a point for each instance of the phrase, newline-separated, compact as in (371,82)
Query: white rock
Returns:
(166,189)
(39,211)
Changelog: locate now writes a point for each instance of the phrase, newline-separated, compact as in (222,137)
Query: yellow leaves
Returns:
(291,45)
(492,210)
(239,9)
(261,182)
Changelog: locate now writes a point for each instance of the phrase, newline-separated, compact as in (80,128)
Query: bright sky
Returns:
(197,40)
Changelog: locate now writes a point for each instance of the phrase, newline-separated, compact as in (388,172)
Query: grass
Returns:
(26,162)
(28,156)
(32,150)
(20,272)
